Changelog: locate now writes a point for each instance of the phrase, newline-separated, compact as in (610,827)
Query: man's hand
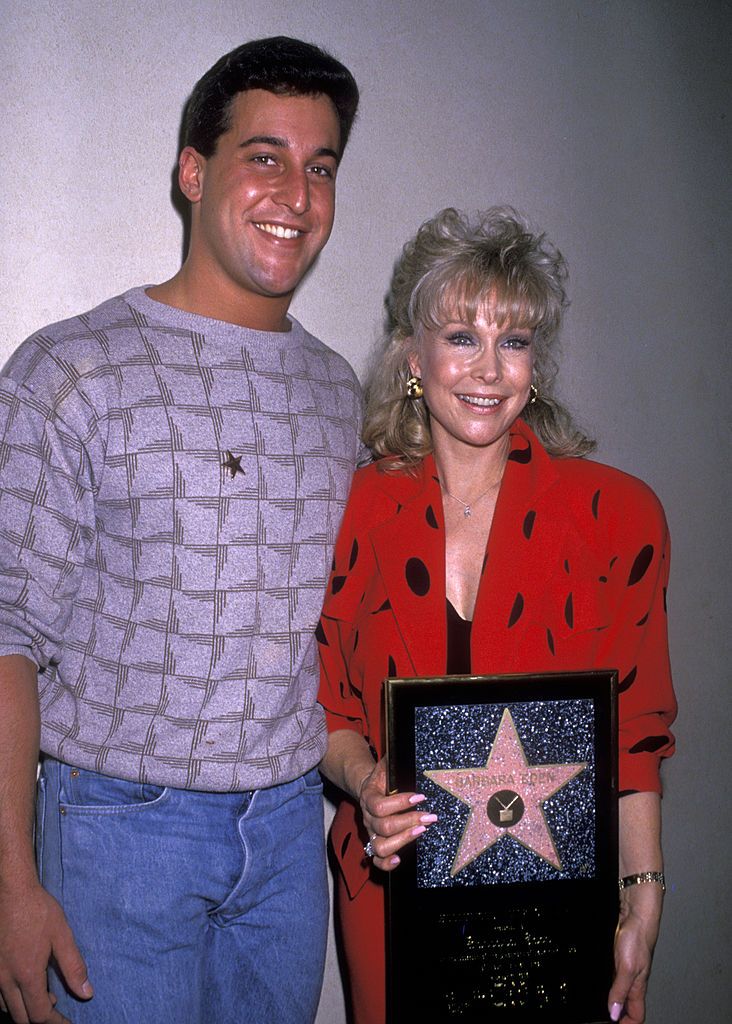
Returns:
(33,930)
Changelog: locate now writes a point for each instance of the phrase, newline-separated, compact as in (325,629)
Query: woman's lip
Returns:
(481,401)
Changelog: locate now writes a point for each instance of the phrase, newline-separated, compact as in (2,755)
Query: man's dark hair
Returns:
(284,66)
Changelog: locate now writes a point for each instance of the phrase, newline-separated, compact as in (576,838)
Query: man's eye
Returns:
(265,159)
(321,171)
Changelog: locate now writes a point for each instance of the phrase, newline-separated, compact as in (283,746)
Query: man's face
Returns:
(264,202)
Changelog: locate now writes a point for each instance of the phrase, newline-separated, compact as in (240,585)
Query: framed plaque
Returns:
(505,908)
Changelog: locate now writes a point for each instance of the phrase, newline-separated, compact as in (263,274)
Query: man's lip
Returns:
(282,232)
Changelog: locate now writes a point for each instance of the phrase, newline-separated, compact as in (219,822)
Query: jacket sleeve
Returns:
(340,691)
(637,640)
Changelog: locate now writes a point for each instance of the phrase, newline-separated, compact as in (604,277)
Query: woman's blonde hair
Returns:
(450,270)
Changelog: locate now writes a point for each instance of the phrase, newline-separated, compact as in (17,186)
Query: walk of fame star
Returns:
(511,807)
(233,463)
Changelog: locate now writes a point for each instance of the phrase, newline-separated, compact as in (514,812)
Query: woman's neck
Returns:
(466,471)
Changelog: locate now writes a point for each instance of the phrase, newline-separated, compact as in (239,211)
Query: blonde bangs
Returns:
(462,293)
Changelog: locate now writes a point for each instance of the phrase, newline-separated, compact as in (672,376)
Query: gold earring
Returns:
(414,388)
(534,392)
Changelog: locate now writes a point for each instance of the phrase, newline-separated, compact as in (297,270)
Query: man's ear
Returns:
(191,167)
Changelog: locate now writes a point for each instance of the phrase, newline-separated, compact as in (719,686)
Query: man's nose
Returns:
(294,191)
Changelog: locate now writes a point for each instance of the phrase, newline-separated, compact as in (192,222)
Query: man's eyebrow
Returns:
(276,140)
(265,140)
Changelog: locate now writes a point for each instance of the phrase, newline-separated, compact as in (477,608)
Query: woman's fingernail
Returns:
(615,1011)
(417,798)
(427,819)
(394,861)
(418,830)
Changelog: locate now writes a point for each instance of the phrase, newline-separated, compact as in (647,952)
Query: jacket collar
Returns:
(410,553)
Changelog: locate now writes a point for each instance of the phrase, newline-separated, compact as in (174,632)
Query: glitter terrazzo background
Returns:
(461,736)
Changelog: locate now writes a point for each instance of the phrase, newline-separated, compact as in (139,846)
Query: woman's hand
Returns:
(635,939)
(390,820)
(640,906)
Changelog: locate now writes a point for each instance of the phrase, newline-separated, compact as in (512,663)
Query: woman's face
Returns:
(476,379)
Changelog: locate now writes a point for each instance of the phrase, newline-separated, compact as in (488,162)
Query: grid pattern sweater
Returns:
(170,605)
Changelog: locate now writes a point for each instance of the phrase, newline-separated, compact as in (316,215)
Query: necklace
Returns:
(467,508)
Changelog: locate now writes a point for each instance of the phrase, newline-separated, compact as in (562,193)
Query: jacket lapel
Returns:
(527,537)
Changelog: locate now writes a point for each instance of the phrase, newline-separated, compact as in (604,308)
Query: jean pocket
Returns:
(312,781)
(86,791)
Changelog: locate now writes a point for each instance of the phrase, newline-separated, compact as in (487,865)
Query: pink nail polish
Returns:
(427,819)
(615,1010)
(418,830)
(417,798)
(394,861)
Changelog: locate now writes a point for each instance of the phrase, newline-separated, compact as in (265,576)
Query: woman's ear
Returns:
(413,359)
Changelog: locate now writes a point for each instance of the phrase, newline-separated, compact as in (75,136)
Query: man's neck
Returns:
(192,293)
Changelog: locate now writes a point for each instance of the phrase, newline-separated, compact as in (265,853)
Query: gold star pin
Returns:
(233,464)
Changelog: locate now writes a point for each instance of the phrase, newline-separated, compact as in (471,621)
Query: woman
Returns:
(480,541)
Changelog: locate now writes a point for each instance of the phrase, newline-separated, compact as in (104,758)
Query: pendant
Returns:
(468,511)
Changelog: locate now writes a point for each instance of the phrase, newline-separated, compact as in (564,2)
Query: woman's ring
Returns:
(369,847)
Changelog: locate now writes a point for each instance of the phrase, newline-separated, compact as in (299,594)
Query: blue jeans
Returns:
(188,907)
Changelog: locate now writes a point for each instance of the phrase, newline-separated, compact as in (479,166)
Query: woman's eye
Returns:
(517,342)
(460,338)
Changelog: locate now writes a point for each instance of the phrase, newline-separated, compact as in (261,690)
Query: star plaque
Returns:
(495,811)
(505,908)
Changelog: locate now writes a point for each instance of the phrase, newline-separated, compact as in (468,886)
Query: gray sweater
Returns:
(169,600)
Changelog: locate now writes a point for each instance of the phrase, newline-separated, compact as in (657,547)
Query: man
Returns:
(173,468)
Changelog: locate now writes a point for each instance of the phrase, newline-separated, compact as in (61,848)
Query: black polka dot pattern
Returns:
(337,584)
(418,577)
(528,525)
(627,682)
(595,504)
(640,566)
(345,844)
(516,611)
(320,634)
(644,620)
(550,640)
(392,670)
(354,554)
(383,607)
(431,517)
(649,745)
(521,455)
(569,611)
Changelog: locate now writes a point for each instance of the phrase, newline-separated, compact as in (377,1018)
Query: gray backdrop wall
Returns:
(606,121)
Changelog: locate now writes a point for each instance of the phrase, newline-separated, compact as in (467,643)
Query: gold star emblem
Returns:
(506,798)
(233,464)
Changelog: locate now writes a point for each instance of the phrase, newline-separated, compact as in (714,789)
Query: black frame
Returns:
(514,937)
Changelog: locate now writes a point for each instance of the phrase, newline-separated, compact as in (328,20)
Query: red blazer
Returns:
(574,577)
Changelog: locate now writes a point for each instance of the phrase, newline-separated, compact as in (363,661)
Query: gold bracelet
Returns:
(642,878)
